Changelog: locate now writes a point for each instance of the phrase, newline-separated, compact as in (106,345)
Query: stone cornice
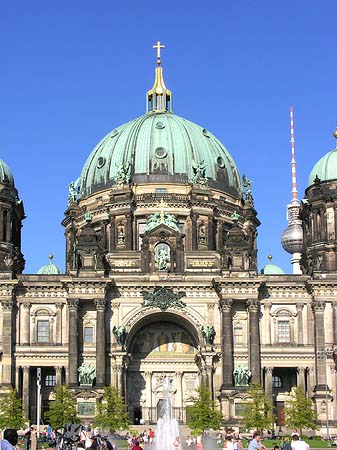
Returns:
(325,289)
(84,287)
(237,288)
(7,289)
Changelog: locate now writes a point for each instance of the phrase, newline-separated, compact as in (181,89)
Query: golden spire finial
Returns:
(158,46)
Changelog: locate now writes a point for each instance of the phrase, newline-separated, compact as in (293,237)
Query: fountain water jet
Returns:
(167,427)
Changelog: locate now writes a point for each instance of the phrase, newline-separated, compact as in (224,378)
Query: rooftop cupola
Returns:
(159,98)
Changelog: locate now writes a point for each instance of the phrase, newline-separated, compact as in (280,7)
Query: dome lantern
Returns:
(159,98)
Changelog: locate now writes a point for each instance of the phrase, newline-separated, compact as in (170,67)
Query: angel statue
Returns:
(199,172)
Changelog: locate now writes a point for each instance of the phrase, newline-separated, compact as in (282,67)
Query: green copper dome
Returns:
(49,269)
(6,175)
(158,147)
(325,169)
(272,269)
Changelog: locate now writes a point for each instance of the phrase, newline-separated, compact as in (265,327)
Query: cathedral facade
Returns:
(161,281)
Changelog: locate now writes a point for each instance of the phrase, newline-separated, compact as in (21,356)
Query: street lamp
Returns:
(323,355)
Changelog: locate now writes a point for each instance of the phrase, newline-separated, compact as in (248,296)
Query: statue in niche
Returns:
(208,333)
(120,334)
(162,257)
(241,376)
(123,173)
(199,172)
(202,234)
(121,235)
(86,374)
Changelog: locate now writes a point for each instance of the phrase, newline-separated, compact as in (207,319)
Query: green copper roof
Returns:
(159,147)
(49,269)
(6,175)
(272,269)
(325,169)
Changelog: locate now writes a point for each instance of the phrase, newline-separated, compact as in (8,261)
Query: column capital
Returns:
(267,306)
(58,305)
(100,304)
(253,305)
(7,305)
(58,369)
(299,307)
(115,305)
(210,305)
(318,306)
(73,304)
(26,305)
(269,370)
(26,368)
(300,370)
(225,305)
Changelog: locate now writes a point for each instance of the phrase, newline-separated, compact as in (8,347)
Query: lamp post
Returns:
(323,355)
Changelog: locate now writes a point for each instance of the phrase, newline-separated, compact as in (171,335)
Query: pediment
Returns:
(160,229)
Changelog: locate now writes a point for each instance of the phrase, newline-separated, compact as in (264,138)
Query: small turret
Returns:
(159,98)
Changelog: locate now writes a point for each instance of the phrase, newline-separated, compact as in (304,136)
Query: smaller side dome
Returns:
(6,175)
(50,268)
(272,269)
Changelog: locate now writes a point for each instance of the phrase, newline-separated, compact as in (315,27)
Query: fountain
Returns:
(167,427)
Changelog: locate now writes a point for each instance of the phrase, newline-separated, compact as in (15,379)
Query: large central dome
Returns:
(159,147)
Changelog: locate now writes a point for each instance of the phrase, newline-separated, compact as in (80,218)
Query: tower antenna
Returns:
(294,197)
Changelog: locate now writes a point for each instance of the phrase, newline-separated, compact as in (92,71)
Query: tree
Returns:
(63,409)
(11,414)
(258,411)
(299,412)
(111,412)
(202,415)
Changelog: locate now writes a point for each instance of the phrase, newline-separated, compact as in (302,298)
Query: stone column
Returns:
(112,234)
(59,307)
(226,344)
(179,395)
(194,218)
(100,342)
(25,390)
(269,381)
(129,234)
(148,377)
(310,381)
(301,377)
(210,311)
(299,307)
(254,340)
(267,307)
(73,350)
(320,355)
(210,233)
(58,371)
(25,334)
(7,342)
(119,373)
(334,322)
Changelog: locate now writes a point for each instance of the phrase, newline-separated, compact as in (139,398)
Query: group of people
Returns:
(296,443)
(139,441)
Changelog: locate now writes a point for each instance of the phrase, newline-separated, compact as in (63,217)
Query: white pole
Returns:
(38,400)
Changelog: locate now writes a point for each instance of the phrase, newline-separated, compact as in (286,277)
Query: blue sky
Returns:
(71,71)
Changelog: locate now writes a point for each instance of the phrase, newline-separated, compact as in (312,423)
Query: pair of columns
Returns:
(73,345)
(227,342)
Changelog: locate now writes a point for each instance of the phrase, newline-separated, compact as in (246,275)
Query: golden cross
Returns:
(158,47)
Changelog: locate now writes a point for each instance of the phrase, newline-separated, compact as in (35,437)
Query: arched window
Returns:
(43,320)
(238,334)
(283,326)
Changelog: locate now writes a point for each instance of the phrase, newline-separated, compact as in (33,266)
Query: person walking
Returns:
(33,438)
(199,444)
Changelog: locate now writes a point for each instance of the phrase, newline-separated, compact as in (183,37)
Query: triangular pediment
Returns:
(162,228)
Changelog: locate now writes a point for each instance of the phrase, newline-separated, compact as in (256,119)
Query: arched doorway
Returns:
(162,347)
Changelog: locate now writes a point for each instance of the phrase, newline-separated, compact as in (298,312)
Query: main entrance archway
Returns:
(161,347)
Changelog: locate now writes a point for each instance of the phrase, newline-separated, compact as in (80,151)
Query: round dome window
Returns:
(220,161)
(114,133)
(100,162)
(160,152)
(160,125)
(205,132)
